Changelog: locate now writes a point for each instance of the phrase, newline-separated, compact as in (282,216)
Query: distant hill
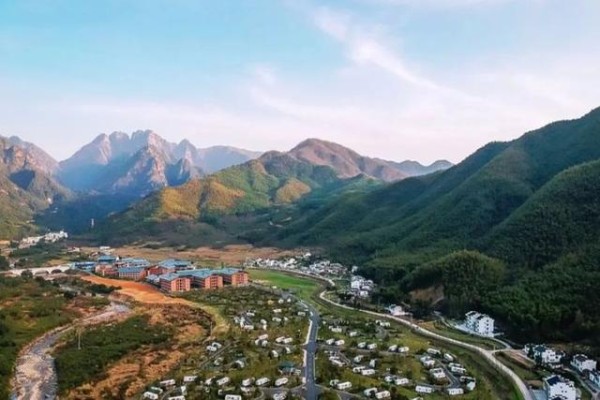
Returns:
(26,185)
(141,163)
(414,168)
(531,203)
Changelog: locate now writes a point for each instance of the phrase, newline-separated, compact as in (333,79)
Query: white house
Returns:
(438,374)
(423,389)
(595,377)
(190,378)
(344,386)
(150,396)
(582,363)
(340,342)
(403,349)
(281,381)
(384,394)
(396,311)
(247,382)
(557,386)
(368,372)
(427,361)
(480,324)
(330,342)
(168,383)
(543,354)
(262,381)
(233,397)
(372,346)
(223,381)
(455,391)
(400,381)
(369,392)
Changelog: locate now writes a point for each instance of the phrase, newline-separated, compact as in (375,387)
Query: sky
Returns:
(395,79)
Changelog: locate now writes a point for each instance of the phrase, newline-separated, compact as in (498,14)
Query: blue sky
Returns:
(397,79)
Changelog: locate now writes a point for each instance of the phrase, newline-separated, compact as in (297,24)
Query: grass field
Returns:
(304,288)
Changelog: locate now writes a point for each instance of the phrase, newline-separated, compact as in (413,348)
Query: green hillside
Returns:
(531,203)
(199,207)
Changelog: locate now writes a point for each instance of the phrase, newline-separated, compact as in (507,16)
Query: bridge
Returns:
(57,269)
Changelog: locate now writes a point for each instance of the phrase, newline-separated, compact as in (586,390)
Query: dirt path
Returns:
(147,294)
(35,375)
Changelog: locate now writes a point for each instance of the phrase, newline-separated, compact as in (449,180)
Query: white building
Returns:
(281,381)
(344,386)
(455,391)
(582,363)
(150,396)
(233,397)
(558,387)
(401,381)
(479,324)
(423,389)
(595,377)
(384,394)
(396,311)
(543,354)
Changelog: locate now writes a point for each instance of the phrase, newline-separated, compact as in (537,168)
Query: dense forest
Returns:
(528,211)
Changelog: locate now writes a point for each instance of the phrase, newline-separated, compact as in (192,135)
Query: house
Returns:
(582,363)
(280,396)
(369,392)
(344,386)
(480,324)
(455,391)
(458,370)
(262,381)
(403,349)
(233,397)
(423,389)
(334,382)
(427,361)
(361,345)
(594,377)
(176,397)
(393,348)
(384,394)
(372,346)
(358,359)
(150,396)
(353,334)
(396,311)
(330,342)
(263,337)
(274,354)
(542,354)
(190,378)
(556,386)
(359,369)
(373,363)
(247,382)
(400,381)
(168,383)
(437,374)
(471,386)
(281,382)
(337,362)
(223,381)
(339,342)
(433,352)
(336,329)
(288,340)
(368,372)
(448,357)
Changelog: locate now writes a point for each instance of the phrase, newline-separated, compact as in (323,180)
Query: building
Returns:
(344,386)
(594,377)
(480,324)
(423,389)
(582,363)
(133,273)
(542,354)
(132,262)
(233,276)
(175,283)
(557,387)
(455,391)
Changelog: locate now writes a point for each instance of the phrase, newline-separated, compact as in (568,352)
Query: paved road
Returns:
(312,391)
(486,354)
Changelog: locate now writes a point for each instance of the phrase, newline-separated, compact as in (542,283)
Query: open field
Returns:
(147,294)
(303,287)
(228,255)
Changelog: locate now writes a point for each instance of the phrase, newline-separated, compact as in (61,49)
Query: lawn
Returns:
(302,287)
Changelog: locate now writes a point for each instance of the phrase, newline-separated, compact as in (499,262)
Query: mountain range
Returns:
(113,171)
(143,162)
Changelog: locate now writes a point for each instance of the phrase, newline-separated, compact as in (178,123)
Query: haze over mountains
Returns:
(112,171)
